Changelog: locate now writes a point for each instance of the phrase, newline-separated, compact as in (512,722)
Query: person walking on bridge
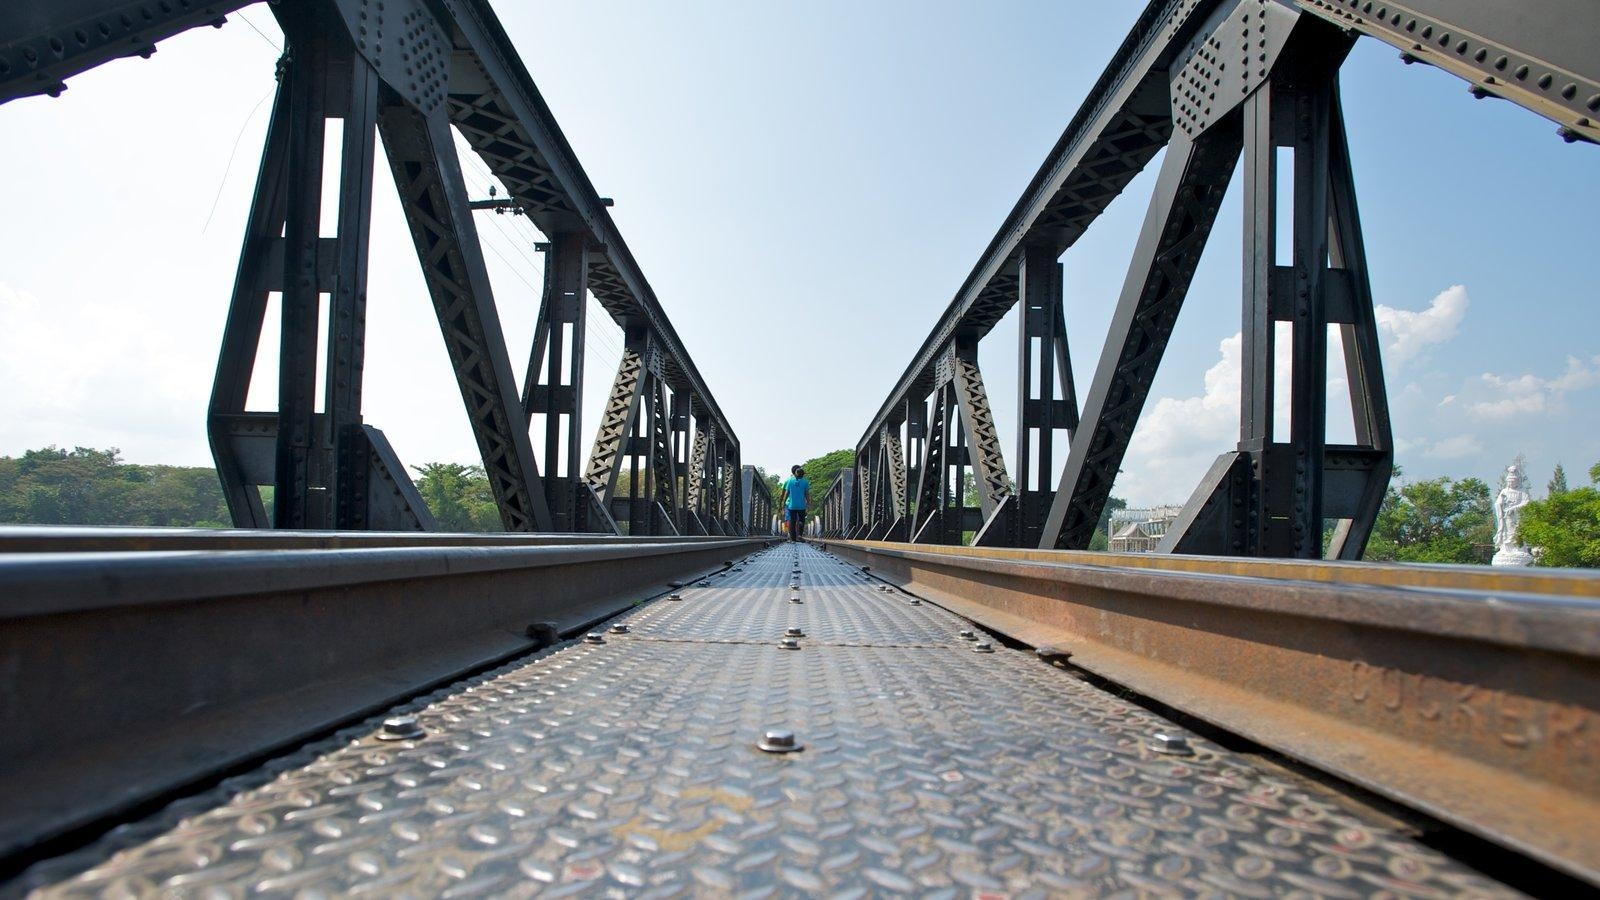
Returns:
(797,493)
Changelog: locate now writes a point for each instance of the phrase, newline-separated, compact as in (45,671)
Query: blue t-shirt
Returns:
(796,489)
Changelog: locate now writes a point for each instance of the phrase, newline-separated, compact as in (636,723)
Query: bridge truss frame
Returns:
(415,74)
(1209,81)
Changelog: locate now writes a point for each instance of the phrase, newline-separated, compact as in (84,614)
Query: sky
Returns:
(805,186)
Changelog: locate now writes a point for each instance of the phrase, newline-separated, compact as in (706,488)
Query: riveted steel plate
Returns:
(630,768)
(839,606)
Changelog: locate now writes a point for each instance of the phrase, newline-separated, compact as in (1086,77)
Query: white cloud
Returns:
(1498,397)
(1458,447)
(1406,334)
(1178,437)
(103,375)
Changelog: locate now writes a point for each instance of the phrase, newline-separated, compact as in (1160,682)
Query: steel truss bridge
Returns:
(635,690)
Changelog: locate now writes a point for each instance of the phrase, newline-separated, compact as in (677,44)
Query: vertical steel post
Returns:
(1042,374)
(553,387)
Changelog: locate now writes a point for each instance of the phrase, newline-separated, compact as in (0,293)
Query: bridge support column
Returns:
(1290,498)
(328,469)
(1047,400)
(553,389)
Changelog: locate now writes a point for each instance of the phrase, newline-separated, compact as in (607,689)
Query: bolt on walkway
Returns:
(787,727)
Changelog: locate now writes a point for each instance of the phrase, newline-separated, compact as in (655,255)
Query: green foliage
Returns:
(1565,526)
(458,496)
(1438,521)
(822,470)
(1558,481)
(1104,527)
(84,486)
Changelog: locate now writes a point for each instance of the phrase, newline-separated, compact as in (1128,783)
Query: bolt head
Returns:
(1172,744)
(789,643)
(779,740)
(400,728)
(914,601)
(796,632)
(594,637)
(968,635)
(619,628)
(674,596)
(983,647)
(796,599)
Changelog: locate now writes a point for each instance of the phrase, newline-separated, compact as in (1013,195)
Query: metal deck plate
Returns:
(838,606)
(630,768)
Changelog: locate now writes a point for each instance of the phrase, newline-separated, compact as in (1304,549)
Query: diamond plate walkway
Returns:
(928,768)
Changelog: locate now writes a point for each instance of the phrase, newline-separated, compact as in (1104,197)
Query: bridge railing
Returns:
(1173,85)
(415,74)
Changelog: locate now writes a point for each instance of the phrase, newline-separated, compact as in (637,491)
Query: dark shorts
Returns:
(798,515)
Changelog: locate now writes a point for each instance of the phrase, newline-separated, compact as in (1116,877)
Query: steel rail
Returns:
(1468,694)
(132,674)
(82,539)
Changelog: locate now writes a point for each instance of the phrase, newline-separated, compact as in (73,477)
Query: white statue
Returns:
(1508,505)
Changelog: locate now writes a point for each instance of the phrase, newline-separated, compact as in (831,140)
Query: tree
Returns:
(1558,481)
(85,486)
(1438,520)
(458,496)
(1565,527)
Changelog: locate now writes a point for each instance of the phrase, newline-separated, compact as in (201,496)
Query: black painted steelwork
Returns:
(836,513)
(416,74)
(1209,81)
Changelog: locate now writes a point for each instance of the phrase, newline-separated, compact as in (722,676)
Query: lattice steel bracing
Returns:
(895,476)
(977,425)
(616,422)
(1188,193)
(694,492)
(933,488)
(428,176)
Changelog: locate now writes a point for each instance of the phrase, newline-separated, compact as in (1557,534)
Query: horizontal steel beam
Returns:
(1469,694)
(130,675)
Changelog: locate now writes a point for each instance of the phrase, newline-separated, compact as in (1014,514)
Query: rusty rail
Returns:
(1469,694)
